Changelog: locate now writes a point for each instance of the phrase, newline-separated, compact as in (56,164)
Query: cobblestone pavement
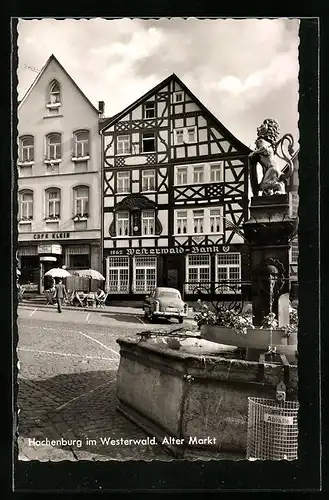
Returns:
(67,384)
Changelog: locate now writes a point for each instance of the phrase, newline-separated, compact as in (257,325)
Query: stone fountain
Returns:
(190,391)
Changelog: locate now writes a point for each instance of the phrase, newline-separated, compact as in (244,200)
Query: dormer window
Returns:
(54,97)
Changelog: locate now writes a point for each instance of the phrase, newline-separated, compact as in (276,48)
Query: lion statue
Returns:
(267,143)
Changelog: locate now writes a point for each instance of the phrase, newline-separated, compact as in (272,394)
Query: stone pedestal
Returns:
(268,233)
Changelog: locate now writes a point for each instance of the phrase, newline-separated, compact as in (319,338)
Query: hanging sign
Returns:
(50,249)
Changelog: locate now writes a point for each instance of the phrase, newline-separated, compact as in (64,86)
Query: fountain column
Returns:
(270,227)
(268,232)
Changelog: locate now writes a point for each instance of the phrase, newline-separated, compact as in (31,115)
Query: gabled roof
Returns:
(50,59)
(158,87)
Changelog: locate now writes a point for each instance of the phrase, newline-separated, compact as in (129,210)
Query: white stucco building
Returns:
(59,214)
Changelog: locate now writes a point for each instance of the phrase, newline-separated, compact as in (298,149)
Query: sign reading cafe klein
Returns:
(167,250)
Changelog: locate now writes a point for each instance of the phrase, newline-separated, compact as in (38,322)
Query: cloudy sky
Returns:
(242,70)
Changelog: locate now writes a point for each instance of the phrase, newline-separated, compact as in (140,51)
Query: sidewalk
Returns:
(133,309)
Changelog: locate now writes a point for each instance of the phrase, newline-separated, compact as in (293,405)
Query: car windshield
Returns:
(169,294)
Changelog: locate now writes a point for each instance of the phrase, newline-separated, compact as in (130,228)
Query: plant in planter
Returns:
(229,318)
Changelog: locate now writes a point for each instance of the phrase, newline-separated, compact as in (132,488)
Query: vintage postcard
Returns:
(158,239)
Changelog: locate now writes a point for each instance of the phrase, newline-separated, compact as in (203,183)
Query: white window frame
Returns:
(83,200)
(145,262)
(190,285)
(216,172)
(183,132)
(26,150)
(207,211)
(181,176)
(181,222)
(124,141)
(207,169)
(148,223)
(53,150)
(178,96)
(54,97)
(147,176)
(25,206)
(294,251)
(198,174)
(228,267)
(123,181)
(216,216)
(51,204)
(148,139)
(198,221)
(149,106)
(122,220)
(81,143)
(121,264)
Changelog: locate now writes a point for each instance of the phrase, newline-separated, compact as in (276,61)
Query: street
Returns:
(67,378)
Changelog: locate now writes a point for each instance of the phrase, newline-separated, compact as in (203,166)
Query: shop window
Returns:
(79,261)
(198,273)
(118,269)
(145,269)
(30,269)
(228,270)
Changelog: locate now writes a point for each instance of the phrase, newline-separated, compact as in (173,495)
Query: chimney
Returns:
(101,108)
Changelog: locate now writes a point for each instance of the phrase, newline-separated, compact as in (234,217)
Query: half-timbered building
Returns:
(175,196)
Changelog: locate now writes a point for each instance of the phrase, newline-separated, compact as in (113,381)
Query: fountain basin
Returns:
(198,398)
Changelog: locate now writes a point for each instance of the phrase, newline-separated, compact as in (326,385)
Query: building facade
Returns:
(292,188)
(59,178)
(175,197)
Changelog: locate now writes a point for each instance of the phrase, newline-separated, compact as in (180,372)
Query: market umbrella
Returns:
(57,272)
(92,274)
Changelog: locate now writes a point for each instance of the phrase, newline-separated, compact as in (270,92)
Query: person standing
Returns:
(60,294)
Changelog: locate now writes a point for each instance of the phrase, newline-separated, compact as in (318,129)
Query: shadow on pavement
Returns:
(80,407)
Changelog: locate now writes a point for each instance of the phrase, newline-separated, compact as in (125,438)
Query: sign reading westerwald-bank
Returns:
(168,250)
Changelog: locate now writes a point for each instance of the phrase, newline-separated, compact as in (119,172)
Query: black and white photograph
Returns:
(157,249)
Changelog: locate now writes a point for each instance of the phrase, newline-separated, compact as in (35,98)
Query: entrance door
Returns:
(46,280)
(174,271)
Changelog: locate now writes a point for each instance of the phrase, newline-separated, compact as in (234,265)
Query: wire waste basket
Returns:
(272,429)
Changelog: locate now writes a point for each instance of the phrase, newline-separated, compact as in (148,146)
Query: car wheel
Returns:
(180,320)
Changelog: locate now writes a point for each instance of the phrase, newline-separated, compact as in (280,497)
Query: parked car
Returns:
(166,303)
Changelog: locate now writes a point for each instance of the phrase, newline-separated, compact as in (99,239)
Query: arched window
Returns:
(81,201)
(26,149)
(53,147)
(25,205)
(54,93)
(53,203)
(81,144)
